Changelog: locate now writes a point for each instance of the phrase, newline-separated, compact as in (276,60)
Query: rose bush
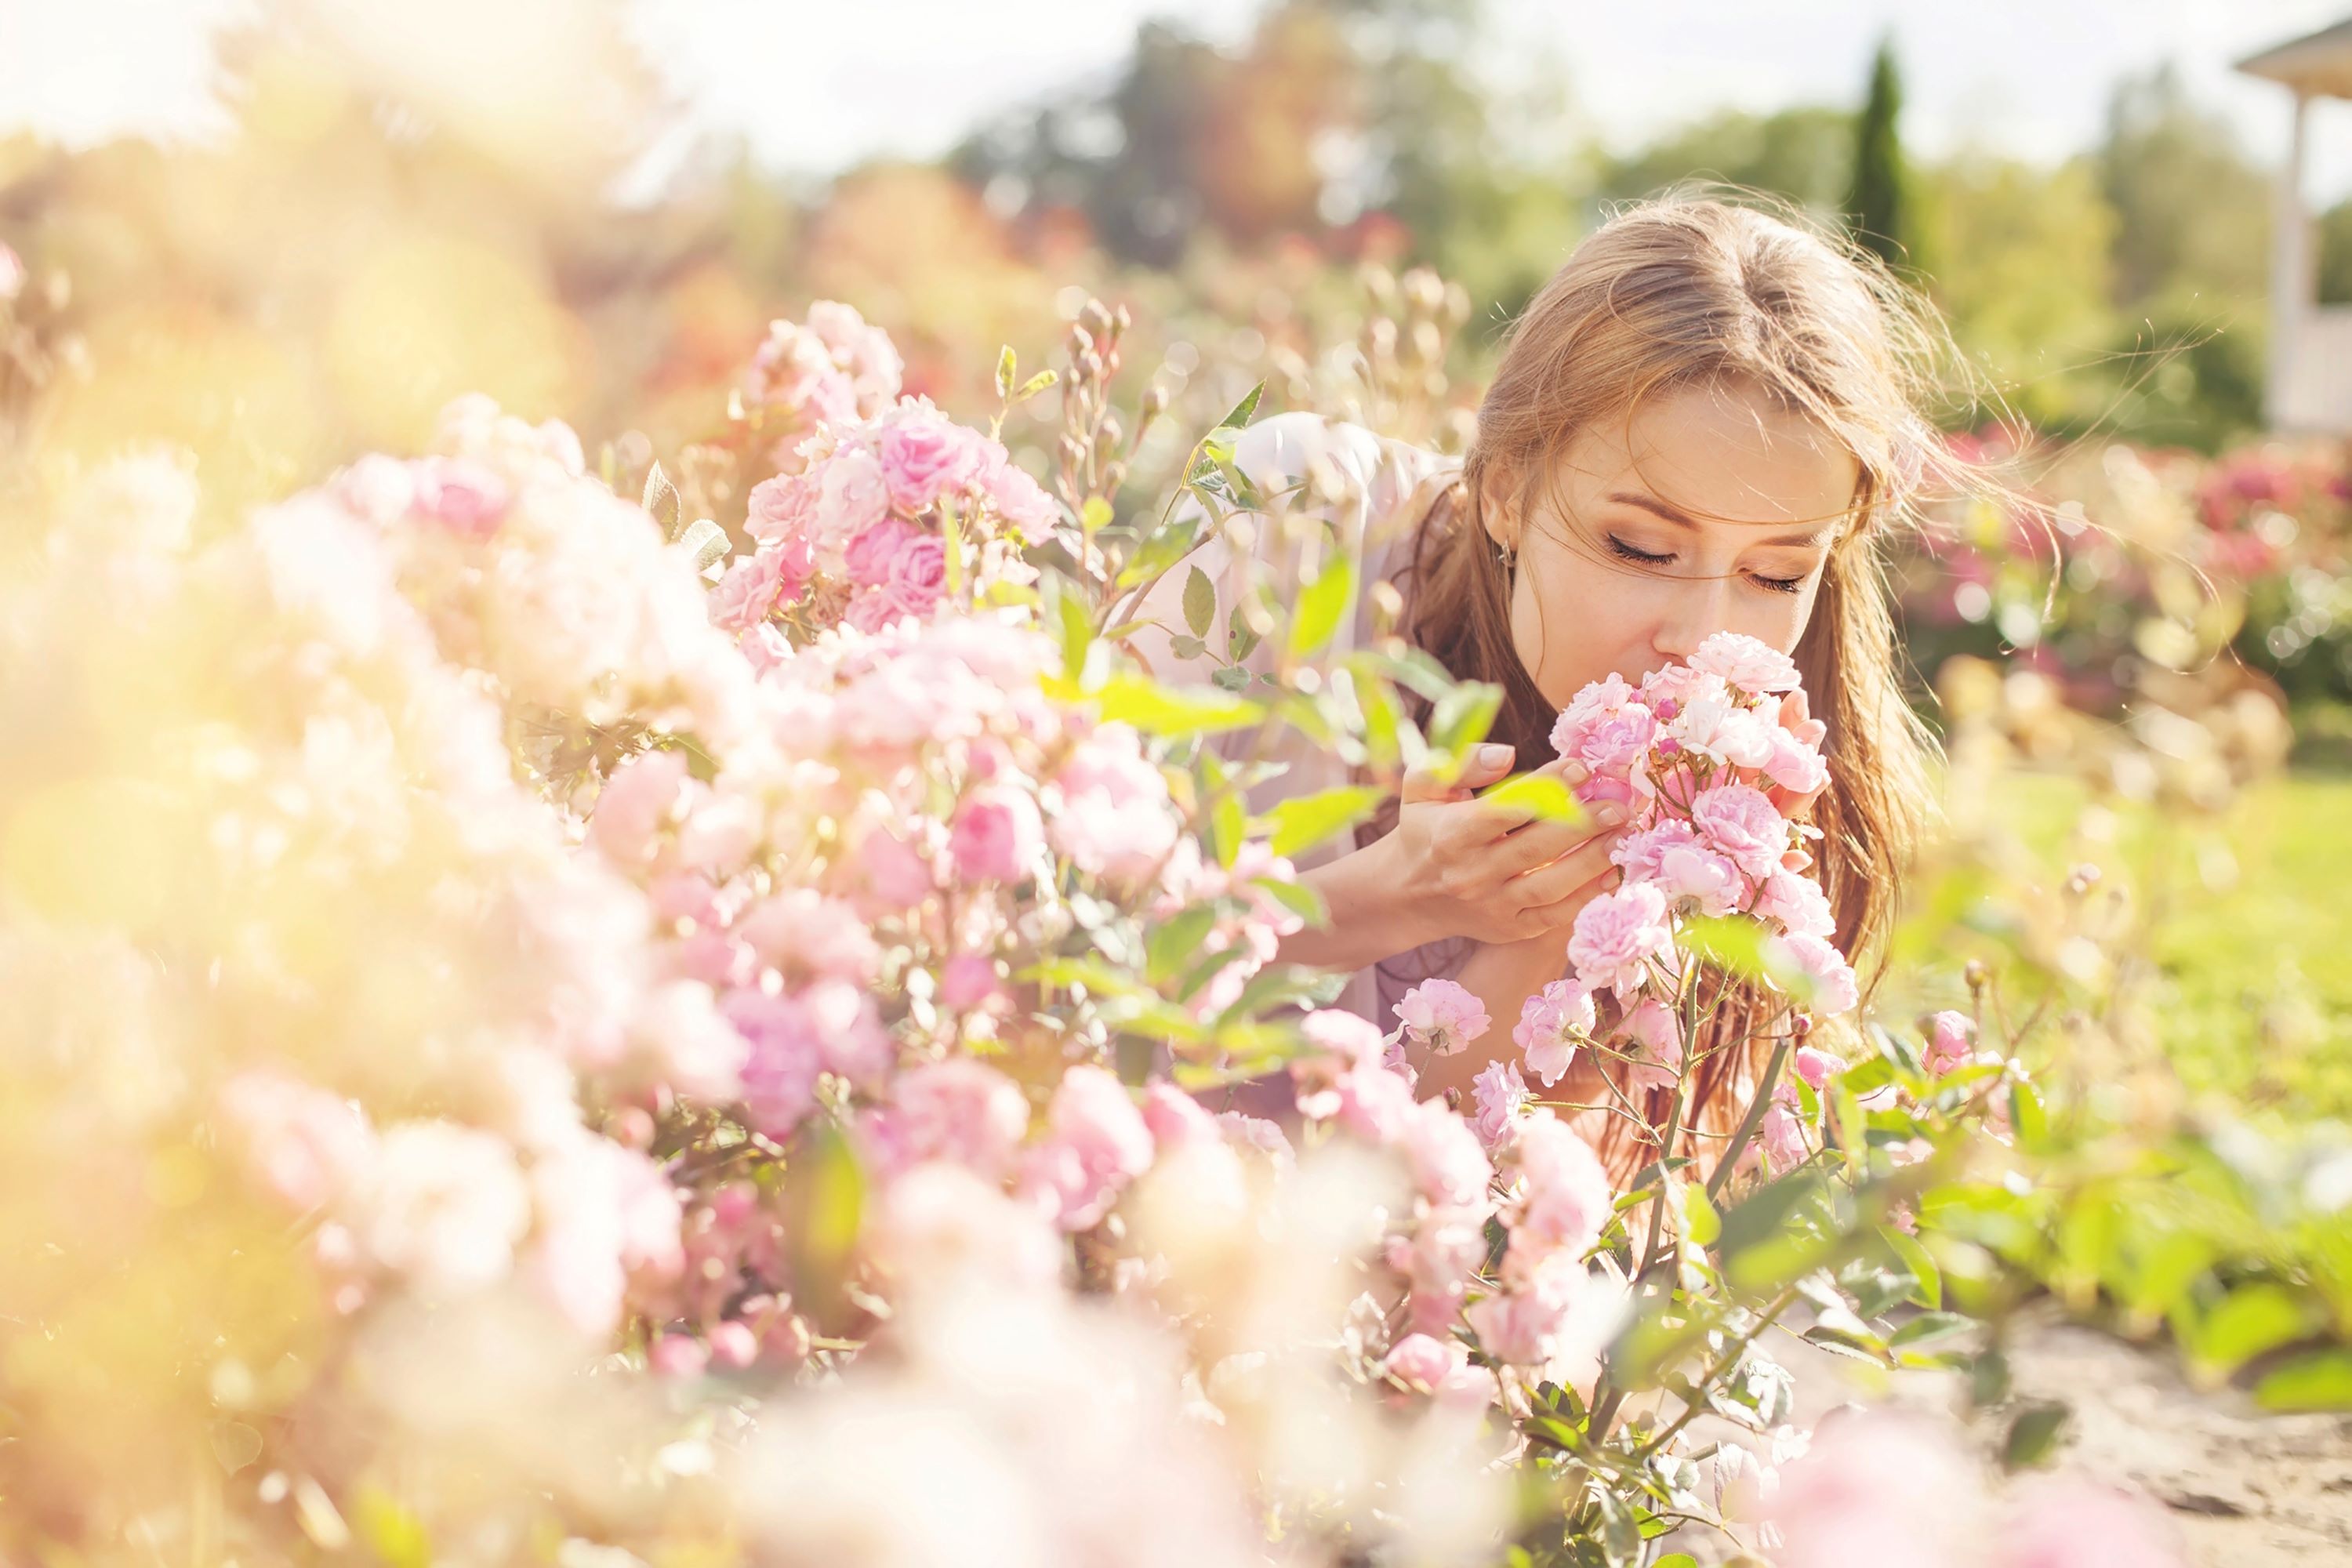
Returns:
(532,1037)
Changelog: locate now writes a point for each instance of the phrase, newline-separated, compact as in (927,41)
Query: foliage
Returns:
(1879,205)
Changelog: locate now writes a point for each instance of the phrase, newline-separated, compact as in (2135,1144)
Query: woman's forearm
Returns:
(1372,916)
(1502,976)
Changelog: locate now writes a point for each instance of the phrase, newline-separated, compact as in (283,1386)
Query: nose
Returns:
(1697,609)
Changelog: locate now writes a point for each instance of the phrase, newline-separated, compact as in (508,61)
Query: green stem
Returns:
(1754,1119)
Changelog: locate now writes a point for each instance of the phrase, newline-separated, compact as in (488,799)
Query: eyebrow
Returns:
(1814,540)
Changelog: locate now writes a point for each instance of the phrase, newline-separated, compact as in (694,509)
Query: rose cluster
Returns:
(858,527)
(1715,762)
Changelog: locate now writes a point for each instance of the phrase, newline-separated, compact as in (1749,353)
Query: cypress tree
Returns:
(1877,209)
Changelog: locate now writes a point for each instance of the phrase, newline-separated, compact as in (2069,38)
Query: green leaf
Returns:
(391,1531)
(1241,639)
(2320,1381)
(1243,409)
(1007,367)
(1701,1223)
(1677,1560)
(1200,602)
(1916,1258)
(1160,550)
(1229,822)
(1461,718)
(1095,516)
(1298,898)
(2034,1435)
(1734,944)
(1322,605)
(1173,942)
(1930,1327)
(1078,627)
(1184,645)
(2252,1319)
(661,501)
(1543,797)
(1170,710)
(1036,383)
(1307,820)
(705,542)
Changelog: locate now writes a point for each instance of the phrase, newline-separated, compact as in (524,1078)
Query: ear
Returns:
(1500,512)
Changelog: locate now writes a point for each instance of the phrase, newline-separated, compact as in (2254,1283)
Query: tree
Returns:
(2335,254)
(1805,155)
(1878,205)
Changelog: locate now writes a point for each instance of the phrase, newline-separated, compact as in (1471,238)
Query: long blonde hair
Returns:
(1689,290)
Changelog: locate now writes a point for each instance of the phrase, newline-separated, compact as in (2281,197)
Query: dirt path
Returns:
(2248,1489)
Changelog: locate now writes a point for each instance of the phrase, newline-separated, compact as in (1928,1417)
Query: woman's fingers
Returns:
(1564,877)
(1506,809)
(1541,843)
(1556,917)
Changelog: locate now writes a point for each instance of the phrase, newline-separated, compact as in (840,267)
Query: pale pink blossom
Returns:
(1425,1363)
(463,496)
(1951,1043)
(782,1061)
(926,455)
(1177,1121)
(849,494)
(1756,667)
(1018,499)
(1880,1490)
(752,588)
(303,1144)
(1448,1166)
(642,798)
(1552,1023)
(1742,822)
(962,1111)
(1552,1325)
(1616,936)
(1366,1097)
(809,936)
(2072,1521)
(1602,699)
(1795,766)
(1343,1034)
(1816,970)
(1797,902)
(1112,815)
(997,836)
(1436,1259)
(1782,1134)
(1562,1198)
(1703,876)
(894,872)
(969,981)
(1500,1095)
(1653,1043)
(1095,1145)
(443,1206)
(1442,1014)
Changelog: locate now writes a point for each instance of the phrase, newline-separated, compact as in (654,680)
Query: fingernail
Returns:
(1495,755)
(1610,815)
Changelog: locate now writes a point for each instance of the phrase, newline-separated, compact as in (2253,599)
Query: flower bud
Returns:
(1094,319)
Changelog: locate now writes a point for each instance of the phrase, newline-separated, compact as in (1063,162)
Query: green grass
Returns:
(2254,996)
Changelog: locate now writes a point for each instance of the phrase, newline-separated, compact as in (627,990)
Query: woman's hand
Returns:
(1461,866)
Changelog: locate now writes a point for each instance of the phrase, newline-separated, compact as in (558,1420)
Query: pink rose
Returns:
(1756,667)
(461,495)
(2072,1521)
(850,495)
(1436,1261)
(637,802)
(1951,1043)
(750,589)
(781,1071)
(1815,969)
(1500,1095)
(1550,1025)
(1782,1133)
(1797,902)
(918,580)
(962,1111)
(1564,1201)
(778,509)
(1018,499)
(1795,766)
(811,937)
(1422,1362)
(1537,1327)
(1448,1166)
(1707,878)
(1742,822)
(969,981)
(303,1144)
(1815,1068)
(1096,1144)
(925,455)
(1616,935)
(896,875)
(1343,1034)
(997,836)
(1177,1121)
(1112,817)
(1655,1036)
(1878,1490)
(1442,1014)
(677,1357)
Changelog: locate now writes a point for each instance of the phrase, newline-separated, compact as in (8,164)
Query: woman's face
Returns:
(1709,509)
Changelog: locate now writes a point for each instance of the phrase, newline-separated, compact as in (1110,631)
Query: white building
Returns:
(2310,384)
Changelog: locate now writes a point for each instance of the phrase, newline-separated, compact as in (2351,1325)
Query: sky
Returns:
(816,86)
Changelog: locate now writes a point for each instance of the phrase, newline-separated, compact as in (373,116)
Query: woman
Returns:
(1706,421)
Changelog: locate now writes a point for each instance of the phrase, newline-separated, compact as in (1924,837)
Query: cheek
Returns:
(1777,620)
(1574,622)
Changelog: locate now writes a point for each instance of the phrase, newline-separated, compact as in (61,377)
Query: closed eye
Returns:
(1628,553)
(1778,585)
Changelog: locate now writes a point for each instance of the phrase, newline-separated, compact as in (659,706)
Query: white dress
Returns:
(1383,487)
